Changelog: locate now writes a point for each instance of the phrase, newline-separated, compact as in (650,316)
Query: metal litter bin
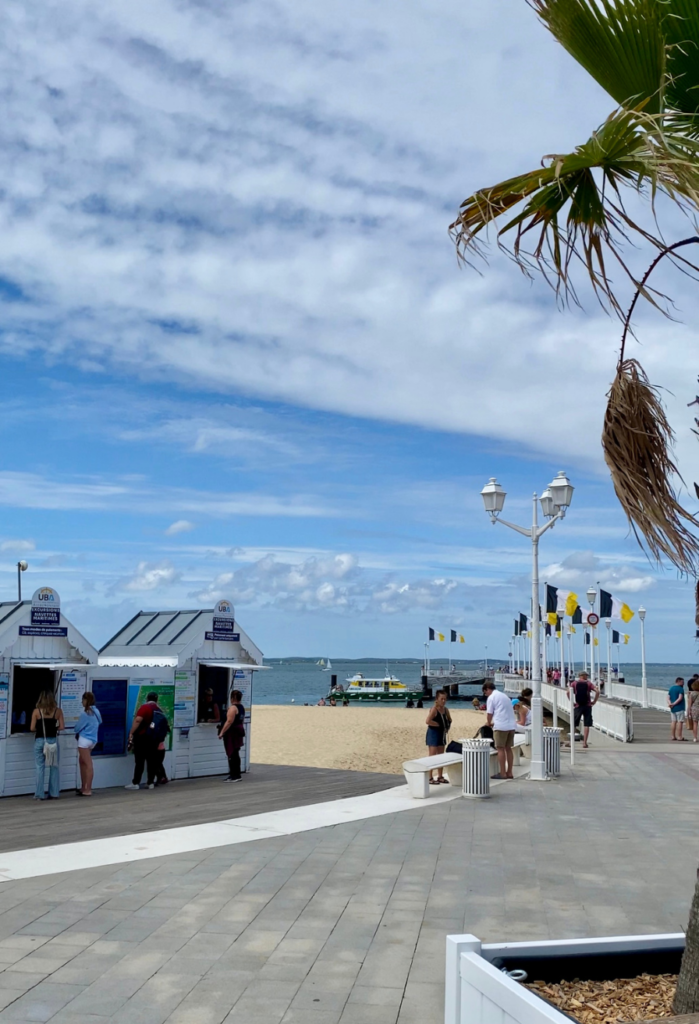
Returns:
(477,768)
(552,750)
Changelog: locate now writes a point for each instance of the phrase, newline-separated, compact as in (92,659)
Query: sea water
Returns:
(302,681)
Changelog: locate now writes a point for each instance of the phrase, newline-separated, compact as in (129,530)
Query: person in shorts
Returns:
(501,718)
(675,701)
(586,695)
(86,733)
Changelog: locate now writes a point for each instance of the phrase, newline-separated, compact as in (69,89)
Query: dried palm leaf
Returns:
(637,441)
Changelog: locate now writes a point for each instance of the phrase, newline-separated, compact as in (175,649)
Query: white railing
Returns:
(610,718)
(624,691)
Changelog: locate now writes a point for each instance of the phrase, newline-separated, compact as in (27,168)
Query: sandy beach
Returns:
(376,739)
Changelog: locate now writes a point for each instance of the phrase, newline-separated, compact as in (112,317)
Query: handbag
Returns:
(454,748)
(50,750)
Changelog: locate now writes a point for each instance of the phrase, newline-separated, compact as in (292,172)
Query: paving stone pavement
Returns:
(346,925)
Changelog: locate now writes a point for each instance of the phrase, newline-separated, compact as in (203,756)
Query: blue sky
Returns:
(238,356)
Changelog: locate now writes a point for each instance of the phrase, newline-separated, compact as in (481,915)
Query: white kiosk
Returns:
(180,655)
(39,650)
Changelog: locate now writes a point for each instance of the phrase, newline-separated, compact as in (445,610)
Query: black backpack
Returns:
(160,726)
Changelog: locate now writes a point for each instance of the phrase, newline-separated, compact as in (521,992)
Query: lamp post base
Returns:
(537,772)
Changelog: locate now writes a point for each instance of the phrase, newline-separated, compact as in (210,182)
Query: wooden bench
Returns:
(417,772)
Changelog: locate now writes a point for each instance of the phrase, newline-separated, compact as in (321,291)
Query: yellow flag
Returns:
(626,613)
(552,618)
(626,638)
(573,629)
(440,636)
(596,642)
(571,603)
(529,634)
(461,639)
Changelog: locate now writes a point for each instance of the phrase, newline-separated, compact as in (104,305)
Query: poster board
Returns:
(185,700)
(73,686)
(138,692)
(111,700)
(4,703)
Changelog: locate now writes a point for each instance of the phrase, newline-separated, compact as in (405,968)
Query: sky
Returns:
(239,357)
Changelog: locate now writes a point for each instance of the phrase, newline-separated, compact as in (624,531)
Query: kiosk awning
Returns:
(237,665)
(141,661)
(54,665)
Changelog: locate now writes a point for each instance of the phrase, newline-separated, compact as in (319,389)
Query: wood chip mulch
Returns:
(644,998)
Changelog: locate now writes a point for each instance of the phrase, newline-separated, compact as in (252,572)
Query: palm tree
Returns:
(569,216)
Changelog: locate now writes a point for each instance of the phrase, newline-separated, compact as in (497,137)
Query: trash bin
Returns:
(552,750)
(477,767)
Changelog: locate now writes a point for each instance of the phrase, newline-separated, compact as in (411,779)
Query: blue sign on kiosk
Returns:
(45,615)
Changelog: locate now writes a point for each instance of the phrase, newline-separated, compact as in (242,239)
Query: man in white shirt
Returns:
(501,718)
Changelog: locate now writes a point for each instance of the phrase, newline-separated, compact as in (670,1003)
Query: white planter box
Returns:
(478,992)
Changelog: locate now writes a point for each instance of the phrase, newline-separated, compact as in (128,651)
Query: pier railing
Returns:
(613,717)
(624,691)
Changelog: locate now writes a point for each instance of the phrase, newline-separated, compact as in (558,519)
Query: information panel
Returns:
(185,700)
(4,699)
(110,699)
(73,686)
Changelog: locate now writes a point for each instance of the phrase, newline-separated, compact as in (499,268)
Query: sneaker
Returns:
(151,785)
(229,779)
(132,785)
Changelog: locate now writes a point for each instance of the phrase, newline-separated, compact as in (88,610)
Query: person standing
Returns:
(586,695)
(676,703)
(501,718)
(143,745)
(86,732)
(233,735)
(693,705)
(47,721)
(210,711)
(438,725)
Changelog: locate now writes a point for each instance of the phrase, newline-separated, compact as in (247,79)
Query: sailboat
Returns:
(328,667)
(321,662)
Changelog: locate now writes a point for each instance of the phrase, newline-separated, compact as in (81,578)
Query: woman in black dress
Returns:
(233,735)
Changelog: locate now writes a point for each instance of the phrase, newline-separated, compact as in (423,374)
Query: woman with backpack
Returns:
(148,730)
(86,731)
(233,735)
(47,721)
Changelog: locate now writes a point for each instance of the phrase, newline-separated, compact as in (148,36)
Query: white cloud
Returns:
(179,526)
(32,490)
(150,576)
(584,569)
(330,582)
(20,547)
(212,193)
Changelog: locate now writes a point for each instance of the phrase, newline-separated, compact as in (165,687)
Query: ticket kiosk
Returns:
(192,660)
(39,650)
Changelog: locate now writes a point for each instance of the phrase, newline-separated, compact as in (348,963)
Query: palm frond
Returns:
(637,441)
(574,212)
(680,26)
(619,43)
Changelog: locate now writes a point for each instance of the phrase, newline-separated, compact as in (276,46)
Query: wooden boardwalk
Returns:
(27,823)
(652,726)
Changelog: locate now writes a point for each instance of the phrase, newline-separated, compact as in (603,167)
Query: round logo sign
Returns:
(224,610)
(45,597)
(592,619)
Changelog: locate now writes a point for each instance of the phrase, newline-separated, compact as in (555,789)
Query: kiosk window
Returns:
(27,684)
(110,699)
(212,677)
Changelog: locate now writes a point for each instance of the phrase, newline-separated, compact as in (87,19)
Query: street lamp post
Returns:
(608,624)
(21,567)
(592,597)
(644,680)
(554,502)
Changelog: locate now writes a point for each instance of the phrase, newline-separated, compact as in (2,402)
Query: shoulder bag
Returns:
(50,749)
